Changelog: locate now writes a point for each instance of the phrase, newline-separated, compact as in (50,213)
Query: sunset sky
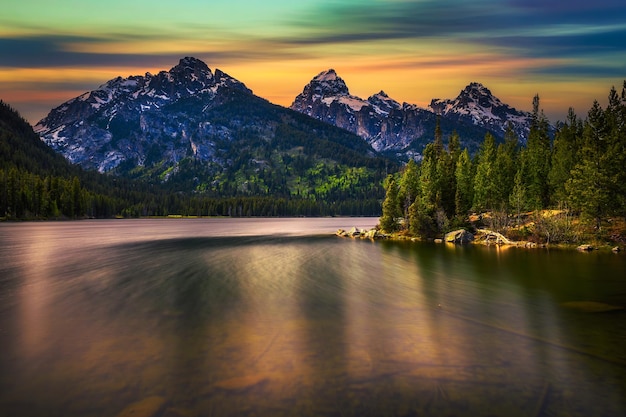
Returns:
(569,52)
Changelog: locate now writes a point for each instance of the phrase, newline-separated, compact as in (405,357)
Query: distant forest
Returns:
(581,172)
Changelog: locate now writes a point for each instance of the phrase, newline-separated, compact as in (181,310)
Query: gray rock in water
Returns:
(460,236)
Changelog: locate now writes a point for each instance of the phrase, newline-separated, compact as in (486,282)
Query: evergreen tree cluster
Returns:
(582,169)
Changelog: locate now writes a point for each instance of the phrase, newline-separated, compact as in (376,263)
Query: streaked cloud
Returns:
(413,49)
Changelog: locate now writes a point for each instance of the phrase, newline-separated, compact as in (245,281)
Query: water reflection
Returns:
(97,317)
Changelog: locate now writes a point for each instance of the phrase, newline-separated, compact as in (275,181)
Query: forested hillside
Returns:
(581,176)
(38,183)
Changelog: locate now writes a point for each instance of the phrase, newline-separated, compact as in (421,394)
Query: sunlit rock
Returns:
(460,236)
(354,232)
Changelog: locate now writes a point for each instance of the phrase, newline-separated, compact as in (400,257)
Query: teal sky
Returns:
(569,52)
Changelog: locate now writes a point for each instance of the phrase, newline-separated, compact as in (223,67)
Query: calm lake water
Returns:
(278,317)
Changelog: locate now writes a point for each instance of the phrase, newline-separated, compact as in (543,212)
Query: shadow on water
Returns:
(308,325)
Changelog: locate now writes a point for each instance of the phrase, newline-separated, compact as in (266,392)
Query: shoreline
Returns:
(484,237)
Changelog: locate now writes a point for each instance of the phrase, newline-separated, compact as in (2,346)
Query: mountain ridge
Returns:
(404,129)
(139,122)
(476,104)
(206,132)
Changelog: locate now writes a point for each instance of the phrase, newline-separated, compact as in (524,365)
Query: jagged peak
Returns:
(326,84)
(191,65)
(328,75)
(384,102)
(191,62)
(476,89)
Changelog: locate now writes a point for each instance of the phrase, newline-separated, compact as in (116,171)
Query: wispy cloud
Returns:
(516,40)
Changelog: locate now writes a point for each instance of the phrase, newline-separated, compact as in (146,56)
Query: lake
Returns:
(278,317)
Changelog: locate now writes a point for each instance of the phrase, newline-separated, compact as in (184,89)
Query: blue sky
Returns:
(569,52)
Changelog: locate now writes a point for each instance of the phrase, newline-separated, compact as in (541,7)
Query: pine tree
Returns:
(484,183)
(409,186)
(422,218)
(588,188)
(616,150)
(428,179)
(517,198)
(422,212)
(464,176)
(564,156)
(391,207)
(505,168)
(438,142)
(537,160)
(446,167)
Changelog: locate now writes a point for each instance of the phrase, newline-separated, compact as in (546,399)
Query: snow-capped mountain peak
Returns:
(388,125)
(121,100)
(383,103)
(476,104)
(326,76)
(327,98)
(325,84)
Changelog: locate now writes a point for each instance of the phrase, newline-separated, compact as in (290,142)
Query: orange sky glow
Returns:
(413,50)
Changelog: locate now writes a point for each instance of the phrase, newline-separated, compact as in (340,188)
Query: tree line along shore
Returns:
(566,190)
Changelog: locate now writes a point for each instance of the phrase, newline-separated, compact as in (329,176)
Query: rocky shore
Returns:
(355,232)
(459,237)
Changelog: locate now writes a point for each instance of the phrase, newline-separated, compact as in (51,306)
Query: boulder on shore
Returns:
(489,237)
(460,236)
(362,233)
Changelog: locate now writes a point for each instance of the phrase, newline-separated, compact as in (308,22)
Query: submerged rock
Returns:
(460,236)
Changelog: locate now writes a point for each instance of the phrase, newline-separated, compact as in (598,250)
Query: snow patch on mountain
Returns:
(477,105)
(379,120)
(114,110)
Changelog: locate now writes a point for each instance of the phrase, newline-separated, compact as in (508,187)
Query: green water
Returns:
(277,317)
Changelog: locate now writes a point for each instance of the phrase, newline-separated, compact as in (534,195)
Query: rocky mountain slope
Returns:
(122,119)
(206,132)
(476,105)
(404,129)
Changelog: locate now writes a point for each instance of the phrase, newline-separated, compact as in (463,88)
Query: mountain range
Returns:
(404,129)
(206,131)
(203,131)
